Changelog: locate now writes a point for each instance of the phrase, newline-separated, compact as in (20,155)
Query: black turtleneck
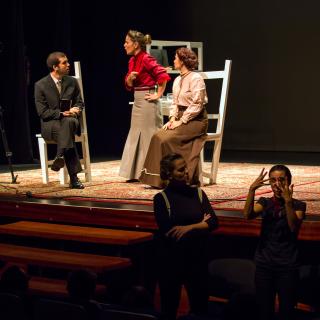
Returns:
(186,207)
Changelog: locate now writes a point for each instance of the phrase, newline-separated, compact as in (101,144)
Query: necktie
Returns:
(59,86)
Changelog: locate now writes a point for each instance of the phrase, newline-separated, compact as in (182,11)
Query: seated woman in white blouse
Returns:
(185,132)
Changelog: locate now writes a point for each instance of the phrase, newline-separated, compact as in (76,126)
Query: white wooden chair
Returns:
(219,117)
(83,139)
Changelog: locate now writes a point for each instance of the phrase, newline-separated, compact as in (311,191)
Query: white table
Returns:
(165,106)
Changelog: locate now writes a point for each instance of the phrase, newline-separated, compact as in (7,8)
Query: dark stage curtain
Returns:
(14,82)
(272,103)
(27,38)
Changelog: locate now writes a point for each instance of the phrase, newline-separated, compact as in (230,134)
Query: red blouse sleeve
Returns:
(130,68)
(158,72)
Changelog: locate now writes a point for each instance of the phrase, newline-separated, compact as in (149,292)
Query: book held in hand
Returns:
(65,104)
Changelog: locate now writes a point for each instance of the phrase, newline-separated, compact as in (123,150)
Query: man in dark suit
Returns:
(60,125)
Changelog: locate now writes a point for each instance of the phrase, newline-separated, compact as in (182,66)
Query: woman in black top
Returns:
(184,217)
(276,256)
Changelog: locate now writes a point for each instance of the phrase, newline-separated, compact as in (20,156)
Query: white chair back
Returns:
(78,76)
(220,117)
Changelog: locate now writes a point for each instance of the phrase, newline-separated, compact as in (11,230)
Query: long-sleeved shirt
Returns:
(149,71)
(185,208)
(277,245)
(188,90)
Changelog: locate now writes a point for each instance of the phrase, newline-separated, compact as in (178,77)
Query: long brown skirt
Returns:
(187,140)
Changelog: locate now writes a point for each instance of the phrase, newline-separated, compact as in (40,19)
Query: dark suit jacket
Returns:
(47,100)
(161,56)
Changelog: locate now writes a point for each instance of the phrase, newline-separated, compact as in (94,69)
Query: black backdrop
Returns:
(274,46)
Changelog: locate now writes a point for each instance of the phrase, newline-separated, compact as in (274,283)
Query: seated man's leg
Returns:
(74,166)
(69,127)
(65,132)
(58,161)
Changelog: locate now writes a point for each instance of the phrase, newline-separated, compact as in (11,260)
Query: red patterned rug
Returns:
(229,192)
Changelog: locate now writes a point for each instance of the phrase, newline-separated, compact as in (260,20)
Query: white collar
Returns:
(55,79)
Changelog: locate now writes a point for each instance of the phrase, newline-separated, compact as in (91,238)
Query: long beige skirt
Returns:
(146,119)
(187,140)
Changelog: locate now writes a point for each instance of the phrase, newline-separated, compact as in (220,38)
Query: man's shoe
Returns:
(132,180)
(57,163)
(76,184)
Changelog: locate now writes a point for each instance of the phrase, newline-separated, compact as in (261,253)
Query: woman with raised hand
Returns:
(276,256)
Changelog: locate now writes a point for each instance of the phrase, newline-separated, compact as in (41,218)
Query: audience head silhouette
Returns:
(137,297)
(14,279)
(81,284)
(241,303)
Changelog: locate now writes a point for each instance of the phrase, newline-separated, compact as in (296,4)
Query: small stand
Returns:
(6,147)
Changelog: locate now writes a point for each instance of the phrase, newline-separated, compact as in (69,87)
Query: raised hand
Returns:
(252,210)
(260,181)
(133,75)
(286,190)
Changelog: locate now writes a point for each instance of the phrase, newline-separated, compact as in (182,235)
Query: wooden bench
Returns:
(76,233)
(61,259)
(56,287)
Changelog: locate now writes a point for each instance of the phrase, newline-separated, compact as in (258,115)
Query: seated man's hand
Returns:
(75,110)
(69,114)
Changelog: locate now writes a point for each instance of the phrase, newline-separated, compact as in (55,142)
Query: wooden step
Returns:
(56,287)
(75,233)
(61,259)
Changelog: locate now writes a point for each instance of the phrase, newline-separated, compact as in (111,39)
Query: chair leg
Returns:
(215,161)
(86,158)
(43,160)
(63,175)
(200,166)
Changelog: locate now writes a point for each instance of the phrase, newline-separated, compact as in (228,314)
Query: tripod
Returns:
(6,147)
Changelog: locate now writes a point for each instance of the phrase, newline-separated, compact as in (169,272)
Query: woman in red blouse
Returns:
(147,79)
